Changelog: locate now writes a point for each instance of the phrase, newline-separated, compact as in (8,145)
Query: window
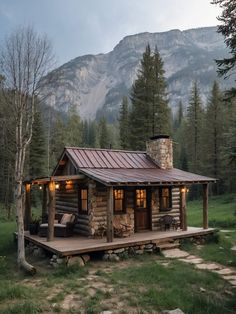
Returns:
(141,199)
(119,201)
(165,199)
(83,201)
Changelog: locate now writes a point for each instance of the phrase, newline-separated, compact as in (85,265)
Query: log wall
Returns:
(157,214)
(67,198)
(87,224)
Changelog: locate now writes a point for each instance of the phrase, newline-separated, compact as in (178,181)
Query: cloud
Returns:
(80,27)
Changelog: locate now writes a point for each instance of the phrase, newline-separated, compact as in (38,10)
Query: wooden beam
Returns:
(205,206)
(51,211)
(110,214)
(28,212)
(183,211)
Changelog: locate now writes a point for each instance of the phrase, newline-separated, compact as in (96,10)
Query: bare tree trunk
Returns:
(20,226)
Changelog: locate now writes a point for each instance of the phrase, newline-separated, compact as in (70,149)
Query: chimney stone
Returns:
(160,149)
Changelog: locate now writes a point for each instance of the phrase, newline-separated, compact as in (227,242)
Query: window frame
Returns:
(161,208)
(123,211)
(80,200)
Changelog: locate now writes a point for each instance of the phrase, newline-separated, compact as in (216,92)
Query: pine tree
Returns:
(230,147)
(160,112)
(227,28)
(150,114)
(37,148)
(58,140)
(104,140)
(213,135)
(124,124)
(73,128)
(141,98)
(194,129)
(92,135)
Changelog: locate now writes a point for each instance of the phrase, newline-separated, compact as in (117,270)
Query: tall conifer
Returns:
(124,124)
(150,114)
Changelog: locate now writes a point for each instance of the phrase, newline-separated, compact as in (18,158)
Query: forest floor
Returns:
(144,284)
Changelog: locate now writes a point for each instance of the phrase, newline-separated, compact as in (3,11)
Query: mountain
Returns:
(97,83)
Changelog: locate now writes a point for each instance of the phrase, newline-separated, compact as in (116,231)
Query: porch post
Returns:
(183,213)
(28,212)
(44,201)
(110,214)
(205,206)
(51,211)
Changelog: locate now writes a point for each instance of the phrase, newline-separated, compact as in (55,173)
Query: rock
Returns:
(106,312)
(192,261)
(85,258)
(175,253)
(224,271)
(211,266)
(233,248)
(35,252)
(109,251)
(117,251)
(53,264)
(105,257)
(75,260)
(202,289)
(176,311)
(232,282)
(139,252)
(41,252)
(229,277)
(60,261)
(114,258)
(142,247)
(54,256)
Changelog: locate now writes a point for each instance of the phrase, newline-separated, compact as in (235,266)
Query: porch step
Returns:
(168,246)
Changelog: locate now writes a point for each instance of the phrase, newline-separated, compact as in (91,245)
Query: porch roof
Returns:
(152,176)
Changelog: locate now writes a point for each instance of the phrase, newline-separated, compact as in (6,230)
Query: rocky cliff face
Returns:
(97,83)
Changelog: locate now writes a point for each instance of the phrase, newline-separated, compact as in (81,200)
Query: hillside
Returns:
(96,83)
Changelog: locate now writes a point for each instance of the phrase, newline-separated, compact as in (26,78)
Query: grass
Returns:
(221,212)
(142,283)
(155,287)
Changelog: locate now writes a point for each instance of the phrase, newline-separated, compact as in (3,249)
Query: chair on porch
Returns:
(122,228)
(168,222)
(63,225)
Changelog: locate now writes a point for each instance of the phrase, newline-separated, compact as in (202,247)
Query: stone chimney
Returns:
(159,148)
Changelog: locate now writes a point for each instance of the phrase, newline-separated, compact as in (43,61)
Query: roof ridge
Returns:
(106,149)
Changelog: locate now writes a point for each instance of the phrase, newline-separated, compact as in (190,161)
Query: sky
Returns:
(79,27)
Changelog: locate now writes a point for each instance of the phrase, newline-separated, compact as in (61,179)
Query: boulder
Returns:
(114,258)
(85,258)
(75,260)
(117,251)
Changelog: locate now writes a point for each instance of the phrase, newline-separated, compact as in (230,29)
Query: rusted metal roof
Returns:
(108,159)
(145,176)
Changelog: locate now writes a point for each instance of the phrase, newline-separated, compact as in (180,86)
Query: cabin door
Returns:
(142,210)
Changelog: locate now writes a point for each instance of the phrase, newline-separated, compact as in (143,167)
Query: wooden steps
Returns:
(168,245)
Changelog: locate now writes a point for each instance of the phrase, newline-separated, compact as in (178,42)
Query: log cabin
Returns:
(101,186)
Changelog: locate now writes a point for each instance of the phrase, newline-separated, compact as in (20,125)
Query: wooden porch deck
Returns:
(78,244)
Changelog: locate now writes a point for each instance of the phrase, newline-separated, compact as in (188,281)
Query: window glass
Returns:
(83,206)
(119,201)
(141,198)
(165,199)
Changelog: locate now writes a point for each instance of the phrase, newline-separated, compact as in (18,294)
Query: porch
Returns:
(78,244)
